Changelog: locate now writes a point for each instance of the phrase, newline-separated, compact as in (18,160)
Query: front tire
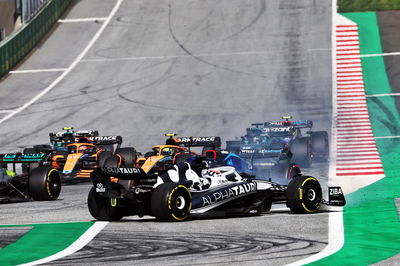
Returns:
(304,194)
(100,207)
(44,183)
(171,202)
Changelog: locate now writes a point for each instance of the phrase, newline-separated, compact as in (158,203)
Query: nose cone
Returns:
(72,159)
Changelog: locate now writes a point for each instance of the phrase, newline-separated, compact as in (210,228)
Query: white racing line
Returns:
(74,247)
(70,68)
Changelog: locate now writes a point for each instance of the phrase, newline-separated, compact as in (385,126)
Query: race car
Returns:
(194,189)
(175,150)
(81,157)
(42,182)
(270,158)
(265,139)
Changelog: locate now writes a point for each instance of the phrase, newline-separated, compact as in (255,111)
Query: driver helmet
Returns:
(168,151)
(256,139)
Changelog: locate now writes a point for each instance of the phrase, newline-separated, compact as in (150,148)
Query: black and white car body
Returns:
(188,190)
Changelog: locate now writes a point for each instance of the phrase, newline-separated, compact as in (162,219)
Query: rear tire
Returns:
(171,202)
(102,157)
(44,183)
(320,146)
(301,150)
(100,208)
(42,148)
(128,156)
(304,195)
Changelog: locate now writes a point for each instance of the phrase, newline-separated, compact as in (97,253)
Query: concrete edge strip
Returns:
(82,241)
(336,228)
(70,68)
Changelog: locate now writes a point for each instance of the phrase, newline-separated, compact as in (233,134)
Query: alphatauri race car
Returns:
(262,140)
(194,189)
(42,182)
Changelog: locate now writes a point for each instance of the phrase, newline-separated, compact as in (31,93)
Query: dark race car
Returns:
(194,189)
(42,183)
(306,145)
(265,143)
(270,158)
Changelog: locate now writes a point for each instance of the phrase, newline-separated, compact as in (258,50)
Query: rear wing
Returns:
(125,173)
(106,140)
(303,124)
(21,157)
(86,133)
(200,141)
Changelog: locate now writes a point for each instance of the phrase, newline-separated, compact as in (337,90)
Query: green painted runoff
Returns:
(42,241)
(371,222)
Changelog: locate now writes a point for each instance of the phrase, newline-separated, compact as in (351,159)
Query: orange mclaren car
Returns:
(84,156)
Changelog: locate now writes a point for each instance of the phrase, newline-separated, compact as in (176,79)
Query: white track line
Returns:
(69,69)
(388,137)
(82,241)
(383,54)
(383,95)
(38,70)
(73,20)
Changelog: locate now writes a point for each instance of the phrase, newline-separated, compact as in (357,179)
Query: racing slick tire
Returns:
(26,168)
(102,157)
(302,153)
(44,183)
(283,173)
(304,195)
(42,148)
(171,202)
(320,146)
(100,207)
(128,155)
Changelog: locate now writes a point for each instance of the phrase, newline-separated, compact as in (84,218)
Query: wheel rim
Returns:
(311,195)
(180,203)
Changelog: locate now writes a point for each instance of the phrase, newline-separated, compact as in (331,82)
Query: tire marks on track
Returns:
(156,248)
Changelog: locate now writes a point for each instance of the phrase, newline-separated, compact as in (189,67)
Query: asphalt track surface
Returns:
(191,67)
